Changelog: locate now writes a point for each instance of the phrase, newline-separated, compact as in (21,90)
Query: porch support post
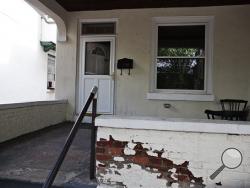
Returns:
(54,11)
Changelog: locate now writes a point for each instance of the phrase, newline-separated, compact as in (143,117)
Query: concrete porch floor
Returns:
(30,158)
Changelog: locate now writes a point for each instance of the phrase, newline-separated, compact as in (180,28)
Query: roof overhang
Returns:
(86,5)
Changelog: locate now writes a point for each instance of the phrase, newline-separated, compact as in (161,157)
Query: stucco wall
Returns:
(230,67)
(21,118)
(23,63)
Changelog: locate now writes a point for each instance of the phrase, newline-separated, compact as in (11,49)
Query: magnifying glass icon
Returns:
(231,158)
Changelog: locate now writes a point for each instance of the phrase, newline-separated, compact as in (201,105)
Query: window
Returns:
(98,28)
(182,60)
(180,57)
(51,75)
(97,58)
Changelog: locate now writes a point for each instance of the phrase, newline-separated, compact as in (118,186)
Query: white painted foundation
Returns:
(201,142)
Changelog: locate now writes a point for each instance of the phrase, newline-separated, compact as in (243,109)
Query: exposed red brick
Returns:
(168,164)
(138,146)
(185,164)
(111,143)
(157,166)
(119,144)
(180,169)
(155,162)
(103,143)
(115,151)
(100,150)
(183,178)
(143,161)
(108,149)
(102,157)
(139,150)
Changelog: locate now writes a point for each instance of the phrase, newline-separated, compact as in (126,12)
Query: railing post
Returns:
(94,110)
(50,179)
(93,140)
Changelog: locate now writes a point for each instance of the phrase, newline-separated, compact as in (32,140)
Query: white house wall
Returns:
(23,64)
(134,40)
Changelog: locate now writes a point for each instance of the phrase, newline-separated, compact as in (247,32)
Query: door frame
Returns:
(96,38)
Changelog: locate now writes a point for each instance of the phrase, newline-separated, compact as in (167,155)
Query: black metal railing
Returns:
(93,140)
(51,177)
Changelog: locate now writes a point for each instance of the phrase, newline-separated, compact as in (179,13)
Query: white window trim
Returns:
(51,90)
(192,95)
(79,67)
(105,20)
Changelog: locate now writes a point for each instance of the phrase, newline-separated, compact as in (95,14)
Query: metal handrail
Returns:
(51,177)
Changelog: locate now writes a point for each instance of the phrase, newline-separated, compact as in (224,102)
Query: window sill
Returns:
(180,97)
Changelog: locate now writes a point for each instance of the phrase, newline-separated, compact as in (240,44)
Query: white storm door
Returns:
(97,69)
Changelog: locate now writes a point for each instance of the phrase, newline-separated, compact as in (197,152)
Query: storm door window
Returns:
(180,61)
(97,58)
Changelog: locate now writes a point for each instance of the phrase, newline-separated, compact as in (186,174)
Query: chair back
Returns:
(233,105)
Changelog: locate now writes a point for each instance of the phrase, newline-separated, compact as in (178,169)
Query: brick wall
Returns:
(22,118)
(154,159)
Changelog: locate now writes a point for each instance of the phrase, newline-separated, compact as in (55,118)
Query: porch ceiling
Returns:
(84,5)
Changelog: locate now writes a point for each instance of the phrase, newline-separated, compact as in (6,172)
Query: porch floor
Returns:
(30,158)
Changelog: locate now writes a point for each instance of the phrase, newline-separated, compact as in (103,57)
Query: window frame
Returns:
(51,54)
(182,94)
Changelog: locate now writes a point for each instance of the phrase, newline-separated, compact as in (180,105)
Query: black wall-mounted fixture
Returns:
(125,63)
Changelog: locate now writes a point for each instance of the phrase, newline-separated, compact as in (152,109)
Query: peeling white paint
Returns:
(98,163)
(201,150)
(131,145)
(165,155)
(127,177)
(151,153)
(173,170)
(119,159)
(147,146)
(128,151)
(113,166)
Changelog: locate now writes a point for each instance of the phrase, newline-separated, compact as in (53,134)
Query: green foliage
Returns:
(172,52)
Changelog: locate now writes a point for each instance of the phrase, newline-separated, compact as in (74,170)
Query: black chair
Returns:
(232,109)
